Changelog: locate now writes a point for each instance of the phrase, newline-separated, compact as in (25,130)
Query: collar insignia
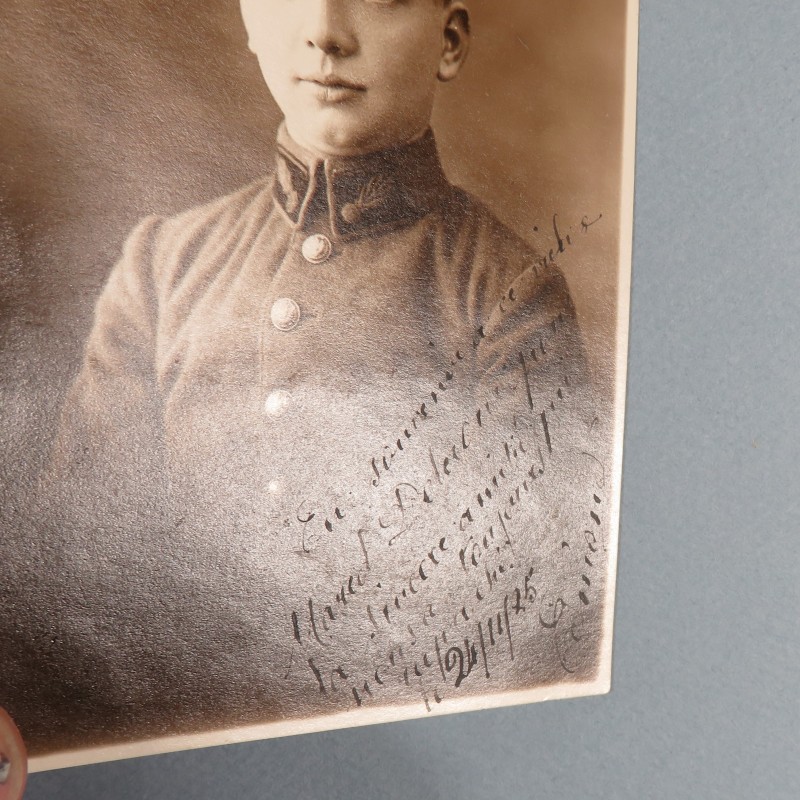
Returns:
(362,195)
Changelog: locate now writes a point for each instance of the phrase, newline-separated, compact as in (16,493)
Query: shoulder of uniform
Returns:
(230,206)
(495,260)
(518,296)
(187,240)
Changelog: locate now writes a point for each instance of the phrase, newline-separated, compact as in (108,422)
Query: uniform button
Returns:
(285,314)
(317,248)
(277,402)
(351,214)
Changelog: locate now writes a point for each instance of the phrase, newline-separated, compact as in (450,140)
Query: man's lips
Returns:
(332,90)
(332,82)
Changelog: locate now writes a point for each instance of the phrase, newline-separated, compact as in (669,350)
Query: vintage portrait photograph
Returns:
(313,336)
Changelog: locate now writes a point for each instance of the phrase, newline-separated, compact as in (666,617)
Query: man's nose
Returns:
(328,27)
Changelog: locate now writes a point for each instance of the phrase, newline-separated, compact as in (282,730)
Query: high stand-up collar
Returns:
(359,195)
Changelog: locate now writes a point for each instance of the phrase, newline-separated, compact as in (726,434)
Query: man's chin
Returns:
(335,135)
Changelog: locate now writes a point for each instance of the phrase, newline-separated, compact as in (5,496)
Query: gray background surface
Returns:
(705,701)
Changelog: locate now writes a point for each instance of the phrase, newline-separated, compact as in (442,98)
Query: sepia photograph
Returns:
(313,340)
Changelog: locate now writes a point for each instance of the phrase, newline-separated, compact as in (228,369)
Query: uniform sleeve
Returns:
(535,377)
(531,336)
(92,539)
(107,463)
(549,419)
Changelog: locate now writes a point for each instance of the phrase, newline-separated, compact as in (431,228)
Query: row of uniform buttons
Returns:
(285,315)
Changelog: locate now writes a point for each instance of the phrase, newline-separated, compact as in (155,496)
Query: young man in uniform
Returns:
(260,367)
(251,337)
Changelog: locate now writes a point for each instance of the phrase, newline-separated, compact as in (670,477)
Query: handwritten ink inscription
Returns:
(476,537)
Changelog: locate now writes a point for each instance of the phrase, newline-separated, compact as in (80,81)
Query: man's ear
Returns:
(455,40)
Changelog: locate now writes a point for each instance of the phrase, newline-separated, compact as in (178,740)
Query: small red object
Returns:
(13,760)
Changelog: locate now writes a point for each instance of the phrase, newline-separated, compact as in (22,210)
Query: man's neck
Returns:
(317,153)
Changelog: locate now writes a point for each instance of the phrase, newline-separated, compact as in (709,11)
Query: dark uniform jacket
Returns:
(257,368)
(273,331)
